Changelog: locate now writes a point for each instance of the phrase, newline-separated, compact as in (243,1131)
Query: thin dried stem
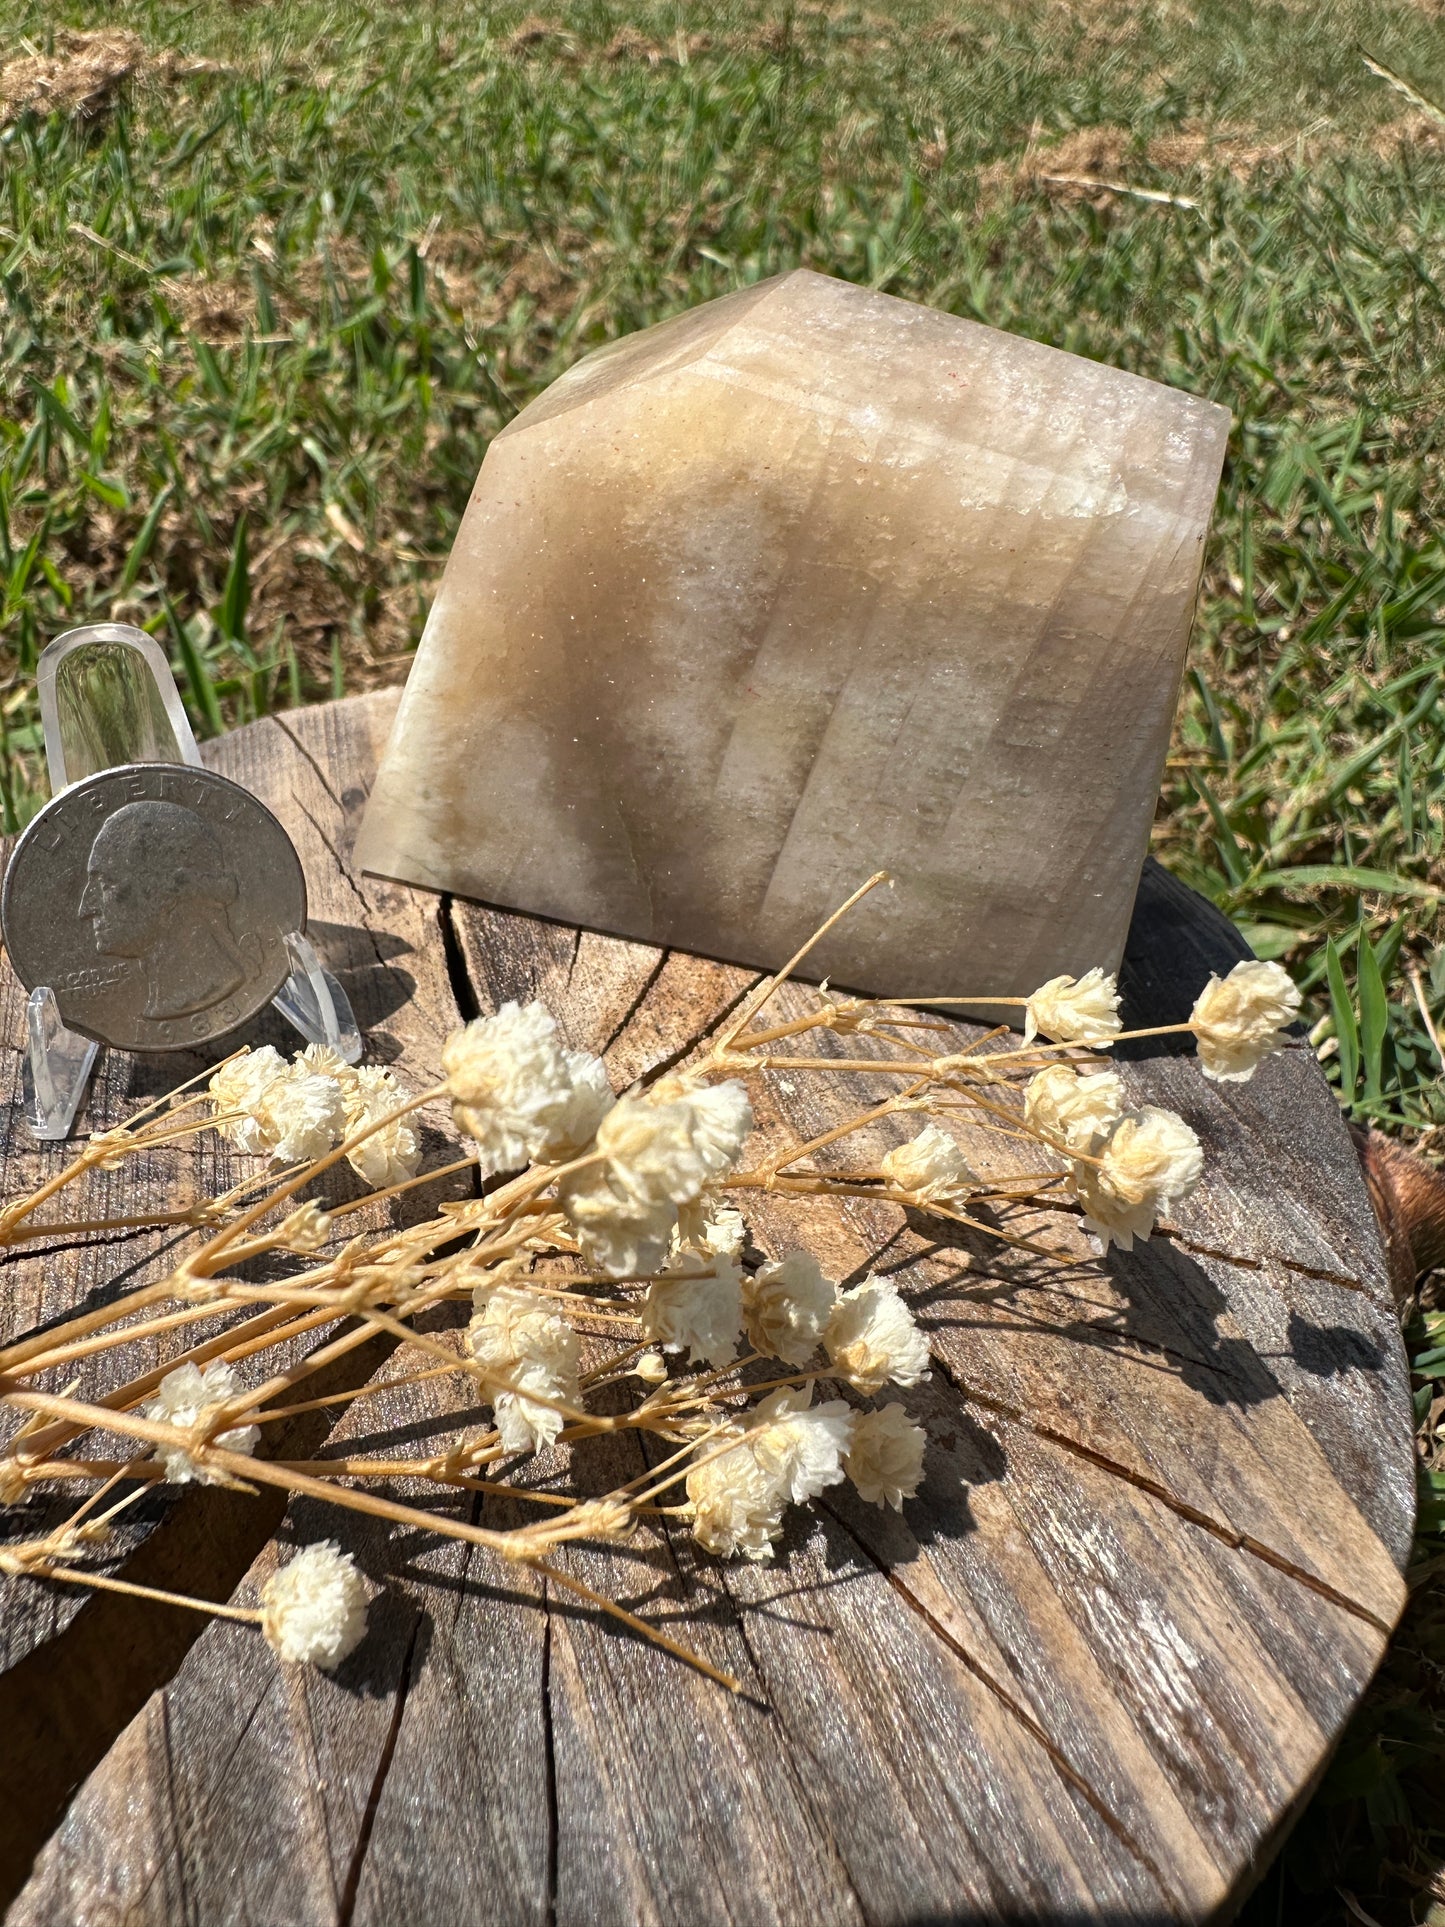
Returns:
(766,990)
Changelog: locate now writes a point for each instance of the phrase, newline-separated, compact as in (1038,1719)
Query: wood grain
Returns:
(1088,1672)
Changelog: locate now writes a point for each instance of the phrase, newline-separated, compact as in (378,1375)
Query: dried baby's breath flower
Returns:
(719,1118)
(320,1060)
(1240,1018)
(391,1154)
(307,1228)
(930,1165)
(698,1307)
(737,1503)
(650,1367)
(524,1344)
(788,1449)
(872,1339)
(1149,1161)
(709,1225)
(1073,1107)
(1074,1010)
(662,1148)
(885,1456)
(786,1306)
(291,1111)
(187,1397)
(238,1086)
(799,1443)
(621,1235)
(314,1609)
(519,1093)
(302,1116)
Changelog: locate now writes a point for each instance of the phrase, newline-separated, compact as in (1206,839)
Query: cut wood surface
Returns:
(1091,1671)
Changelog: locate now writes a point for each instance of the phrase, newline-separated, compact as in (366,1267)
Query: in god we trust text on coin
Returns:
(154,900)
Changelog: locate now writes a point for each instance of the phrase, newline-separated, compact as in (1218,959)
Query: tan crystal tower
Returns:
(803,584)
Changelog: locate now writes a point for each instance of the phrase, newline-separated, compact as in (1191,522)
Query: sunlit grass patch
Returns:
(272,286)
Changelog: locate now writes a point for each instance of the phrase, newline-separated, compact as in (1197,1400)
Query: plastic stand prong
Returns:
(57,1068)
(313,1003)
(107,696)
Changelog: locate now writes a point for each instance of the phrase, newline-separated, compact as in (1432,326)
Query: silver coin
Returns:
(155,901)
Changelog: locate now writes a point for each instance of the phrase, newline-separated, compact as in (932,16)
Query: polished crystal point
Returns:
(806,583)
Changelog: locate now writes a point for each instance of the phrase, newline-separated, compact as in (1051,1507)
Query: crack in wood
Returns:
(572,960)
(1219,1528)
(1018,1712)
(1269,1258)
(699,1036)
(198,1820)
(549,1763)
(346,1907)
(638,1001)
(296,743)
(1163,1229)
(368,910)
(801,1791)
(100,1296)
(464,992)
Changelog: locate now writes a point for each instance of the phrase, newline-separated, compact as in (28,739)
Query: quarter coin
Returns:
(155,900)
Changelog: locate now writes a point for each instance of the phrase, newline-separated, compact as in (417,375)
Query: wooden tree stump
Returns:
(1092,1670)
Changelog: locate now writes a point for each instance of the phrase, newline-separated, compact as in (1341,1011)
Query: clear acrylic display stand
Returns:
(107,696)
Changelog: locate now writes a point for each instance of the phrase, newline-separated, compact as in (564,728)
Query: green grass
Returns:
(264,312)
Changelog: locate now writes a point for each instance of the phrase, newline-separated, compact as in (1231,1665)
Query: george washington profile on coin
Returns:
(154,870)
(155,900)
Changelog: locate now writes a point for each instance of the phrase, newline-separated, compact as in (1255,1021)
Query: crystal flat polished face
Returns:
(155,901)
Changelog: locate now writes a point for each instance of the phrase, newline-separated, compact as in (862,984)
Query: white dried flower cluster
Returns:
(885,1456)
(711,1226)
(872,1339)
(786,1307)
(662,1149)
(238,1087)
(1074,1010)
(291,1112)
(801,1445)
(1073,1107)
(305,1113)
(188,1397)
(788,1451)
(391,1154)
(737,1506)
(1150,1160)
(313,1610)
(524,1344)
(295,1113)
(696,1308)
(519,1093)
(930,1165)
(1241,1018)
